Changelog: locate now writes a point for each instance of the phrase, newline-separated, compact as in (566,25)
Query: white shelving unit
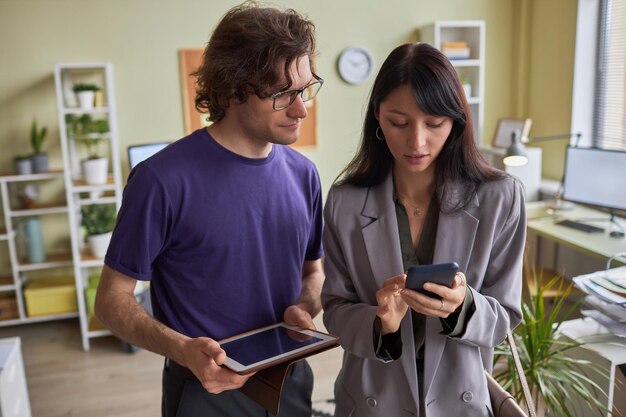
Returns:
(78,192)
(12,285)
(471,69)
(68,182)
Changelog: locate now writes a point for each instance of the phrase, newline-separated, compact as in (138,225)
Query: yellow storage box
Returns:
(50,296)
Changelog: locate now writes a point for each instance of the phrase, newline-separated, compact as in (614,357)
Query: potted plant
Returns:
(556,379)
(22,164)
(90,133)
(37,137)
(98,221)
(85,93)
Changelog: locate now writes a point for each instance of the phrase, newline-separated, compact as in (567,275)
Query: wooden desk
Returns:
(599,245)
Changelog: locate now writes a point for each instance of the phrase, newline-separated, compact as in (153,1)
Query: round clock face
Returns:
(355,65)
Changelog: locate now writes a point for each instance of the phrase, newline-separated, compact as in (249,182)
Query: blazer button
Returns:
(468,396)
(371,401)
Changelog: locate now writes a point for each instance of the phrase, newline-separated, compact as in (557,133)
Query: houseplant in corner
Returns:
(556,379)
(37,137)
(85,94)
(98,221)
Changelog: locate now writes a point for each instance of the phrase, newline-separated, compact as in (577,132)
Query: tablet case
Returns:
(266,386)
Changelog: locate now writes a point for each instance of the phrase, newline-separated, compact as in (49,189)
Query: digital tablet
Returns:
(271,345)
(442,274)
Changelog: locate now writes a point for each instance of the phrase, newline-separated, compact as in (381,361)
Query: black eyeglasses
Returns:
(284,99)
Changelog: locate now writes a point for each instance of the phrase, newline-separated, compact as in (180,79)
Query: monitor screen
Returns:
(595,176)
(138,153)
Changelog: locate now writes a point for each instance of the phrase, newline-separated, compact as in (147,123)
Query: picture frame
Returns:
(189,61)
(502,137)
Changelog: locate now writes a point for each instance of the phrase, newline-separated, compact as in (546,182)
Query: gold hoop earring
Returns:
(378,135)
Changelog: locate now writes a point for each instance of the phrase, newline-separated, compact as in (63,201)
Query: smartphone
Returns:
(442,274)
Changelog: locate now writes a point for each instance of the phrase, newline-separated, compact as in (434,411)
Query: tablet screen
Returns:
(266,344)
(272,345)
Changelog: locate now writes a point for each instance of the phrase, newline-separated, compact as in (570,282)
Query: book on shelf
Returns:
(456,50)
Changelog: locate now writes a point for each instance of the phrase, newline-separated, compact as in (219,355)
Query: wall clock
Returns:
(355,64)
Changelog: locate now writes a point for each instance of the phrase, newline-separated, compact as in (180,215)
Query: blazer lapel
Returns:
(455,241)
(380,234)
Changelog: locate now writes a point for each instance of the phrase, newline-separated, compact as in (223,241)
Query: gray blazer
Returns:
(362,249)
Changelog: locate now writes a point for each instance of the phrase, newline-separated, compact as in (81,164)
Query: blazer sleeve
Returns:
(344,312)
(498,301)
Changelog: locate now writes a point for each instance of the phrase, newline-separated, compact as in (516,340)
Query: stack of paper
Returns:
(456,50)
(606,298)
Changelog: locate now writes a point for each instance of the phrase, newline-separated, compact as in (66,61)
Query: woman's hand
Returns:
(391,306)
(452,298)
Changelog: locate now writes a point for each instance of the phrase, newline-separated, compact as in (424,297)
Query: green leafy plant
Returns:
(556,378)
(37,136)
(77,88)
(98,219)
(87,131)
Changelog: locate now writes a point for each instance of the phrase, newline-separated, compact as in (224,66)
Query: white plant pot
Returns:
(86,99)
(468,90)
(99,244)
(96,171)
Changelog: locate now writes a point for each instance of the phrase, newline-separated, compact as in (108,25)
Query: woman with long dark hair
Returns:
(418,192)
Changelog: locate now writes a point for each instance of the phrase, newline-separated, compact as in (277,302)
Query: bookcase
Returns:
(469,61)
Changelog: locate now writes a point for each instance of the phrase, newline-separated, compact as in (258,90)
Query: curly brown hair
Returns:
(245,53)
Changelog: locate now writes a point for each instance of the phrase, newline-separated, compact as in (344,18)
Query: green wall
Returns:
(141,39)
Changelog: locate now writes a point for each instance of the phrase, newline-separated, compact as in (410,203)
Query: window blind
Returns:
(610,100)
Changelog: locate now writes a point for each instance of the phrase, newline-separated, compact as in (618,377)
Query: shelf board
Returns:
(39,209)
(52,174)
(25,320)
(465,62)
(55,260)
(88,260)
(6,283)
(99,200)
(96,328)
(80,186)
(78,110)
(4,235)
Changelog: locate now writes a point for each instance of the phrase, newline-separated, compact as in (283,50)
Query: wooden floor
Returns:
(63,380)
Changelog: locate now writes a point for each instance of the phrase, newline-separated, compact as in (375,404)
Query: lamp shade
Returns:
(516,153)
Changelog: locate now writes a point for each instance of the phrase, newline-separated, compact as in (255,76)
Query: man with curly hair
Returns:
(225,223)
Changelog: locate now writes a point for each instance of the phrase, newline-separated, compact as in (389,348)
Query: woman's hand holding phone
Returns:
(435,290)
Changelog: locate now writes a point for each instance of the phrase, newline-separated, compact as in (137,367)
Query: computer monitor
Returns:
(138,153)
(596,177)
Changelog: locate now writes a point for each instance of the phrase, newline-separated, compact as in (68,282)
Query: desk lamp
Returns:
(516,152)
(516,156)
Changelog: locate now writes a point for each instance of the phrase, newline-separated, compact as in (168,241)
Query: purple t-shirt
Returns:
(221,237)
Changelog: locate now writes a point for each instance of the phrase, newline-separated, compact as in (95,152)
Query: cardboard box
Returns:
(8,307)
(50,296)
